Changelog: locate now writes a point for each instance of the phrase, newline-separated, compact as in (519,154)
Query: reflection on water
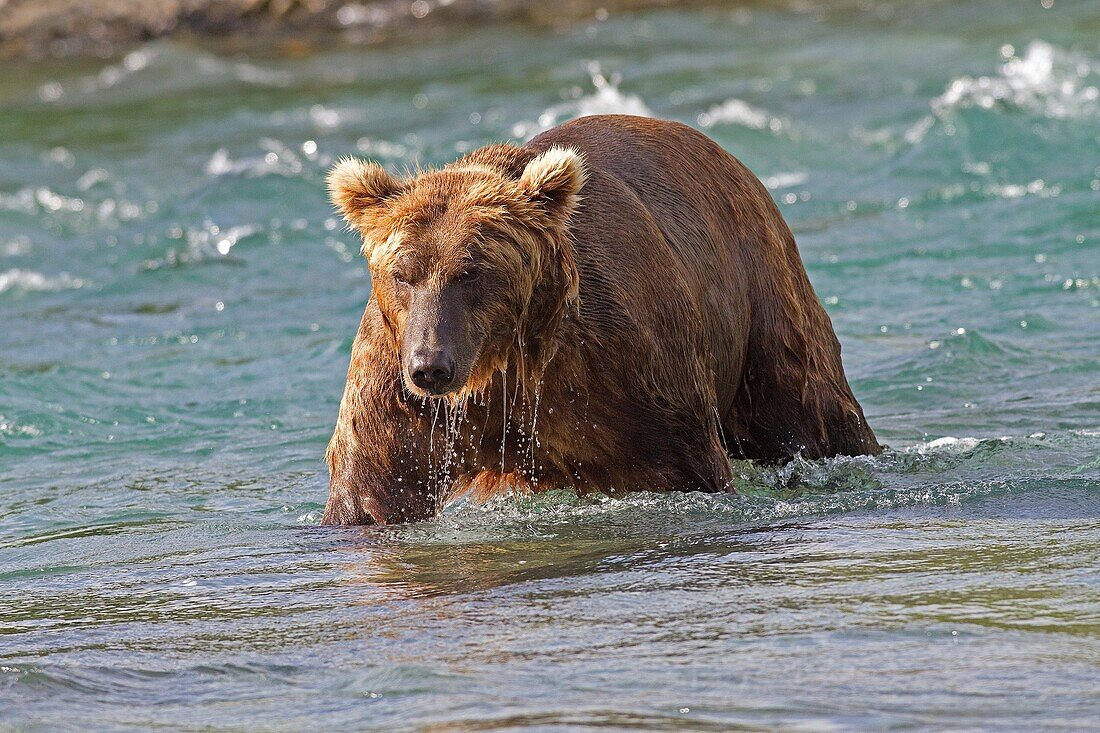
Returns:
(967,606)
(178,301)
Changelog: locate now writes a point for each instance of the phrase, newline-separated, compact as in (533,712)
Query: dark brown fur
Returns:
(633,334)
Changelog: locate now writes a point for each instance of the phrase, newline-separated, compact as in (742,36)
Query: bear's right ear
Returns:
(355,186)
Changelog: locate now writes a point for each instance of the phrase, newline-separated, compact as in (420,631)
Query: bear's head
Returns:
(472,265)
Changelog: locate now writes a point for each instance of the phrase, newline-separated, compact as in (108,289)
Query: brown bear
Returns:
(615,306)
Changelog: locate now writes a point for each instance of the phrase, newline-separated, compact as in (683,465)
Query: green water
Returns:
(176,312)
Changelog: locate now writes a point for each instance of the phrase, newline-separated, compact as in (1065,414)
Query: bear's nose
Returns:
(432,372)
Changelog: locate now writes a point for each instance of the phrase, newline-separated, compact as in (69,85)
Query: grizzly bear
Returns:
(615,306)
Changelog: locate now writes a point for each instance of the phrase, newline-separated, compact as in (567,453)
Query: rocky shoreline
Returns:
(38,29)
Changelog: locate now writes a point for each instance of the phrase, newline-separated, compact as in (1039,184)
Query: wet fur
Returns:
(650,318)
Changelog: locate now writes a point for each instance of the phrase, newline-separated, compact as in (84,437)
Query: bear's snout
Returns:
(432,371)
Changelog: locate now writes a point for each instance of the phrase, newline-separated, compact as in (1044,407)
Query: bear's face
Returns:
(465,261)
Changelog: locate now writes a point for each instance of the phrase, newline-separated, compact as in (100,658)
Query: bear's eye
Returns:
(401,279)
(468,275)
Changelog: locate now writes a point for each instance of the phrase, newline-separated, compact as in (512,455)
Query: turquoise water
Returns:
(177,305)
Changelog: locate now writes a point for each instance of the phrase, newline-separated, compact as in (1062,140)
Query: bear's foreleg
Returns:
(380,468)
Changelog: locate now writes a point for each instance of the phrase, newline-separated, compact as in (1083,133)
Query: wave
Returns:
(40,200)
(738,112)
(785,180)
(30,281)
(100,202)
(278,159)
(939,472)
(152,70)
(645,513)
(11,428)
(1046,80)
(607,99)
(208,243)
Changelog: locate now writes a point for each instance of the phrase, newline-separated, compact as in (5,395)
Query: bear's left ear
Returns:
(554,179)
(356,186)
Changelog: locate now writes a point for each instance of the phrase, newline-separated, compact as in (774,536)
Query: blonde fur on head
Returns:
(556,177)
(356,185)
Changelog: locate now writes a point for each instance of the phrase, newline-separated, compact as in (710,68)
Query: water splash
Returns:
(277,160)
(1036,187)
(25,281)
(913,475)
(504,420)
(208,243)
(785,180)
(607,99)
(739,112)
(131,64)
(1045,80)
(533,436)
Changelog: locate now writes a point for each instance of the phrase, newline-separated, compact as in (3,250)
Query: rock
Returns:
(38,29)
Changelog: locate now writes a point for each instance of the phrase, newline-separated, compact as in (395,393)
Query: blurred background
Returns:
(178,300)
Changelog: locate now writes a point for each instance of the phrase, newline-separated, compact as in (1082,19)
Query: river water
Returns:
(177,304)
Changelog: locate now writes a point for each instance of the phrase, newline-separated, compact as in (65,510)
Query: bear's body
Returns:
(675,328)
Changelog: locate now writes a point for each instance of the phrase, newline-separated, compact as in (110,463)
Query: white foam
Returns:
(40,200)
(208,243)
(155,59)
(1038,187)
(134,62)
(738,112)
(378,148)
(15,430)
(949,444)
(29,281)
(607,99)
(785,180)
(1046,80)
(278,159)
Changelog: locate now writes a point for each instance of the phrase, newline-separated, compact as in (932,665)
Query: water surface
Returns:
(177,304)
